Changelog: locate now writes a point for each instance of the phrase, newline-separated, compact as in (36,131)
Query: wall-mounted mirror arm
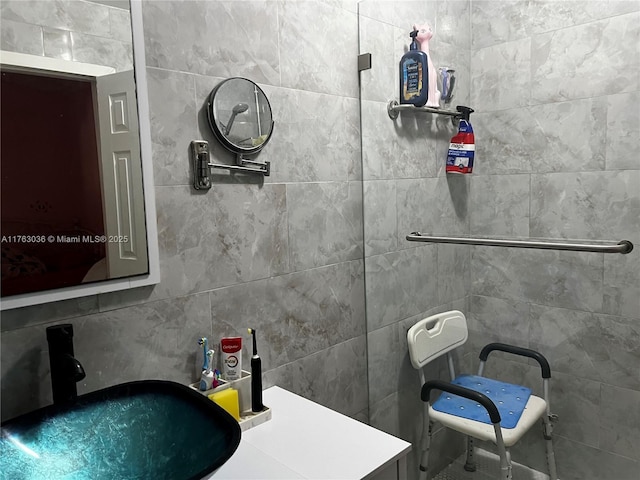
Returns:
(202,167)
(261,168)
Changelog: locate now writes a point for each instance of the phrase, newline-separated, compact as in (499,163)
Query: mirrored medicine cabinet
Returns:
(78,207)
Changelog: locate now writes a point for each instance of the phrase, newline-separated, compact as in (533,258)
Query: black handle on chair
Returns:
(481,398)
(524,352)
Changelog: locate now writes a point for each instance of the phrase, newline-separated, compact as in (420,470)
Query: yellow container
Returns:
(228,399)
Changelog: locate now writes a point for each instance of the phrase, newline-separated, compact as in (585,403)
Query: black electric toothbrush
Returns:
(256,376)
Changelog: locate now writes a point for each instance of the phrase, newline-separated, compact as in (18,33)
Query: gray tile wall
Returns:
(73,30)
(406,189)
(556,89)
(284,256)
(555,86)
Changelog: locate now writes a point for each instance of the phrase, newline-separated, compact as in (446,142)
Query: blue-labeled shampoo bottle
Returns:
(414,83)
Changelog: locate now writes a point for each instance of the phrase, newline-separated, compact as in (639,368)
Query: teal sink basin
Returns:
(148,429)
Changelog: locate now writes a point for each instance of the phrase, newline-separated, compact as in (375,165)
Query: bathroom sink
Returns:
(147,429)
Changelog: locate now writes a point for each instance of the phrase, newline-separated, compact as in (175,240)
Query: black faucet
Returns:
(65,369)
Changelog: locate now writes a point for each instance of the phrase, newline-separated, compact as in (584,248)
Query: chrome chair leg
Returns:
(470,464)
(424,459)
(551,456)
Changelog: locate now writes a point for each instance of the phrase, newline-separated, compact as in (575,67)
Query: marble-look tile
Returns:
(577,403)
(82,17)
(384,414)
(597,347)
(594,205)
(231,234)
(453,24)
(322,378)
(498,320)
(577,461)
(623,125)
(556,147)
(619,423)
(20,37)
(389,365)
(353,139)
(388,415)
(380,220)
(295,315)
(172,112)
(348,5)
(316,137)
(432,206)
(416,146)
(500,206)
(124,298)
(501,76)
(498,22)
(401,148)
(307,62)
(379,141)
(509,143)
(362,416)
(102,51)
(401,43)
(540,139)
(206,37)
(400,284)
(548,15)
(325,223)
(622,284)
(57,44)
(380,82)
(24,364)
(453,272)
(155,340)
(47,312)
(281,376)
(401,13)
(120,25)
(604,52)
(554,278)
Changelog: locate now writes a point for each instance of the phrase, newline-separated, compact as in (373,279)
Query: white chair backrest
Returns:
(436,335)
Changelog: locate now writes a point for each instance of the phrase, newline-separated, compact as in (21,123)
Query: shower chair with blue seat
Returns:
(478,407)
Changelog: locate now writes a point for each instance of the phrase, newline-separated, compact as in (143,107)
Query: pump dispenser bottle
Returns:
(414,83)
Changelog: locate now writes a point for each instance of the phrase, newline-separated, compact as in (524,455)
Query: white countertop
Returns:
(304,440)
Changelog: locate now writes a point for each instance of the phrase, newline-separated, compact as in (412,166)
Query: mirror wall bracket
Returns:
(202,167)
(243,166)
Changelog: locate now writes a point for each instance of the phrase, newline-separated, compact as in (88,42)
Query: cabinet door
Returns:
(121,170)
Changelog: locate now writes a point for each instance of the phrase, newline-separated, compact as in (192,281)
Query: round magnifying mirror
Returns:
(240,115)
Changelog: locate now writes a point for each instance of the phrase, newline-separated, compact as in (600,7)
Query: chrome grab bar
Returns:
(623,247)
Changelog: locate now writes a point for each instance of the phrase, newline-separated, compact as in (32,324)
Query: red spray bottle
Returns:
(462,147)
